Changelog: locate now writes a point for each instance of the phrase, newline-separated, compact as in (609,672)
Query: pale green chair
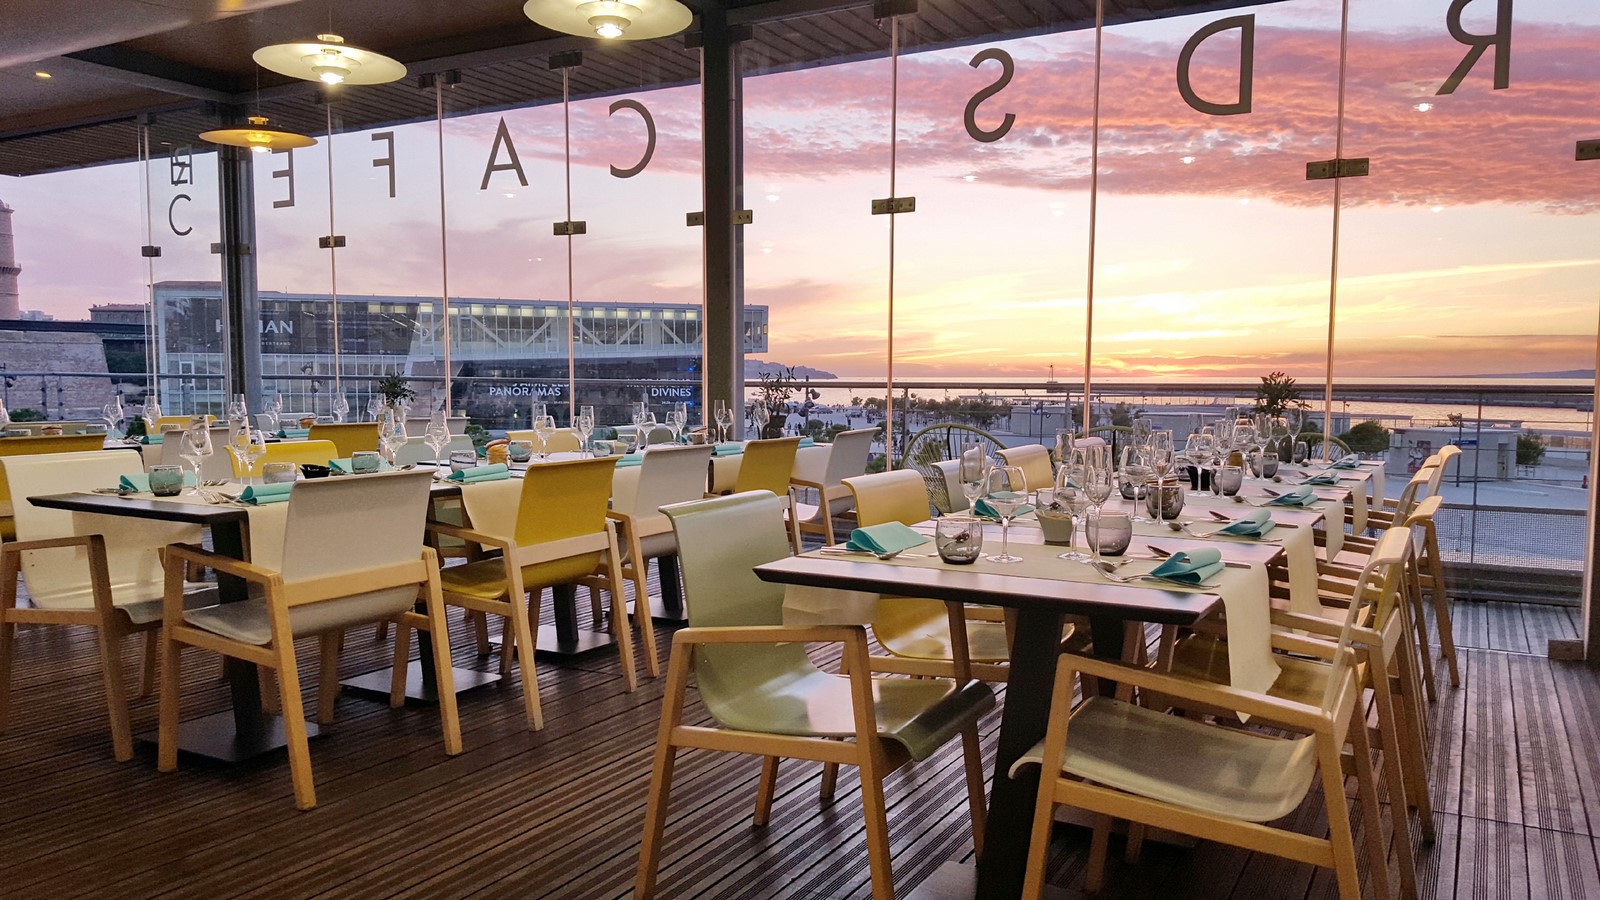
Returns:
(770,699)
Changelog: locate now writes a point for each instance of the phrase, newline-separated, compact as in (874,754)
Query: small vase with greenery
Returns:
(395,392)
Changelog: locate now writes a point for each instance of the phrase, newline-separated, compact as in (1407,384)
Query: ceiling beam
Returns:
(133,67)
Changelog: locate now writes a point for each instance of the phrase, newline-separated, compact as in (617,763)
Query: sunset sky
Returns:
(1472,248)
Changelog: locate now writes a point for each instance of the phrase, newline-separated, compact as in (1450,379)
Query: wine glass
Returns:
(1159,456)
(677,415)
(112,412)
(375,407)
(237,408)
(1098,480)
(5,414)
(724,419)
(1140,431)
(1205,453)
(761,415)
(543,428)
(1064,443)
(255,448)
(437,435)
(392,433)
(1070,495)
(152,415)
(973,472)
(1007,491)
(647,426)
(1136,472)
(239,444)
(274,411)
(585,425)
(341,407)
(197,447)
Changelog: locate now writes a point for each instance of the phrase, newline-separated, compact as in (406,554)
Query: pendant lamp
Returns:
(329,60)
(258,137)
(617,20)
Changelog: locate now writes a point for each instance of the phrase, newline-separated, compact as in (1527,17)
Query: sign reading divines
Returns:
(502,155)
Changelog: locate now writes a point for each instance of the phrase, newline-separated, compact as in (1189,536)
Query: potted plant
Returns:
(395,391)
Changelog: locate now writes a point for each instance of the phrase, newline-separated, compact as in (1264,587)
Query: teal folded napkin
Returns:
(496,472)
(808,442)
(294,433)
(347,467)
(885,537)
(1189,567)
(1253,524)
(1322,478)
(1349,461)
(630,459)
(149,438)
(140,483)
(257,494)
(1300,496)
(729,449)
(983,510)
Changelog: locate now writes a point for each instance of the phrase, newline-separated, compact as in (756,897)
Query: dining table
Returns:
(840,588)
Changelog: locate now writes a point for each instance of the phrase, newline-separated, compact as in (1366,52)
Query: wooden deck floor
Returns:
(1516,781)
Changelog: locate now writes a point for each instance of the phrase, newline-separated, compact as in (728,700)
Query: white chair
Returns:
(417,450)
(216,467)
(352,554)
(825,474)
(666,475)
(102,571)
(1034,460)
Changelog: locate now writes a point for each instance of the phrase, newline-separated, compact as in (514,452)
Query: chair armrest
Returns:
(985,614)
(77,540)
(768,634)
(1295,715)
(467,534)
(811,485)
(224,564)
(1314,624)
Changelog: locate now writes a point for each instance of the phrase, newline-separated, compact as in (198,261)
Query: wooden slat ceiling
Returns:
(179,78)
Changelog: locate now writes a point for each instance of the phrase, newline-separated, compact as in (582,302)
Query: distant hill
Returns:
(755,368)
(1569,373)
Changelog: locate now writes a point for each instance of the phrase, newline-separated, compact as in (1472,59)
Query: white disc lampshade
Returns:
(617,20)
(258,137)
(330,60)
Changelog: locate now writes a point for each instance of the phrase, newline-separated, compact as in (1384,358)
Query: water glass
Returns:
(520,451)
(1231,478)
(1269,464)
(959,539)
(166,481)
(1300,453)
(1109,533)
(461,460)
(1007,492)
(279,472)
(364,461)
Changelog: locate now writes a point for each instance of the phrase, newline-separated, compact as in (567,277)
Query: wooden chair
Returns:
(562,440)
(33,446)
(1123,761)
(1377,625)
(1428,569)
(108,578)
(1034,460)
(315,453)
(938,444)
(559,536)
(219,465)
(917,632)
(766,466)
(666,475)
(767,696)
(347,437)
(846,458)
(328,580)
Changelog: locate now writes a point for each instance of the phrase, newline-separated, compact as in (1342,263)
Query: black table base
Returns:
(420,683)
(958,881)
(215,737)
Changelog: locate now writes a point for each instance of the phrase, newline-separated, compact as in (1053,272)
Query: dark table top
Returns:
(166,510)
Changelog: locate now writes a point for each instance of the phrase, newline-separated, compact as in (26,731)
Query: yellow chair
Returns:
(300,453)
(165,422)
(916,632)
(561,536)
(30,446)
(765,466)
(324,583)
(347,437)
(562,440)
(1034,460)
(1122,761)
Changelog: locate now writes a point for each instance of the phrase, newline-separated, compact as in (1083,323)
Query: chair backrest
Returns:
(336,526)
(32,446)
(1439,461)
(166,422)
(220,464)
(897,496)
(59,577)
(563,500)
(1377,591)
(1421,519)
(720,541)
(298,452)
(766,465)
(347,437)
(37,428)
(1414,491)
(939,443)
(416,449)
(1034,460)
(848,458)
(562,440)
(667,475)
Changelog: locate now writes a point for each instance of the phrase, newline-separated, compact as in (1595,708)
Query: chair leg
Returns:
(328,676)
(1419,627)
(8,636)
(294,727)
(508,645)
(171,673)
(402,663)
(1339,834)
(641,611)
(269,689)
(152,649)
(765,791)
(595,615)
(655,812)
(443,669)
(1441,612)
(1371,814)
(872,767)
(977,801)
(381,634)
(480,630)
(1135,845)
(624,632)
(116,692)
(1393,775)
(1099,845)
(522,620)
